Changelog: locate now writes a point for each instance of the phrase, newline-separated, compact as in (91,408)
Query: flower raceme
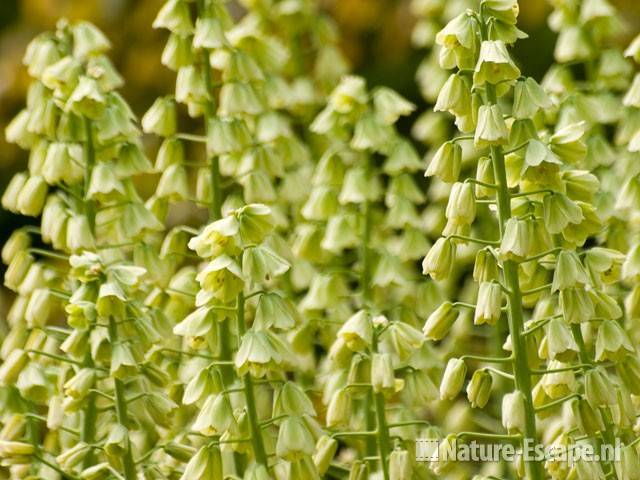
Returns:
(539,277)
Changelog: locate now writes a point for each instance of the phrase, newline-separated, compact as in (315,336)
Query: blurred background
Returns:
(376,36)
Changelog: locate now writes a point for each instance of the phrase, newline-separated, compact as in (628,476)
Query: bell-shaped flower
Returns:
(261,352)
(216,416)
(489,305)
(455,96)
(529,98)
(255,222)
(561,383)
(561,345)
(175,17)
(569,271)
(357,331)
(261,264)
(559,211)
(494,64)
(446,163)
(275,311)
(599,390)
(576,305)
(88,40)
(516,239)
(491,129)
(294,439)
(348,95)
(612,342)
(222,277)
(439,260)
(32,196)
(452,379)
(161,118)
(390,106)
(290,399)
(216,239)
(514,412)
(479,388)
(568,143)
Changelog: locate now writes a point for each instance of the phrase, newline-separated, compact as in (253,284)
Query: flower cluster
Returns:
(560,295)
(77,383)
(300,332)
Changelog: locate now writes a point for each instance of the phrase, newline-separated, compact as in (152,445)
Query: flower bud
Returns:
(325,450)
(290,399)
(222,277)
(73,456)
(79,236)
(453,379)
(38,308)
(79,385)
(446,163)
(18,241)
(32,196)
(12,366)
(17,270)
(440,322)
(491,129)
(439,260)
(400,465)
(99,471)
(444,459)
(339,409)
(479,388)
(9,449)
(513,411)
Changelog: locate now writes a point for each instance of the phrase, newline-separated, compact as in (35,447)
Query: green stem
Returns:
(88,431)
(121,410)
(365,280)
(583,355)
(383,433)
(515,317)
(254,424)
